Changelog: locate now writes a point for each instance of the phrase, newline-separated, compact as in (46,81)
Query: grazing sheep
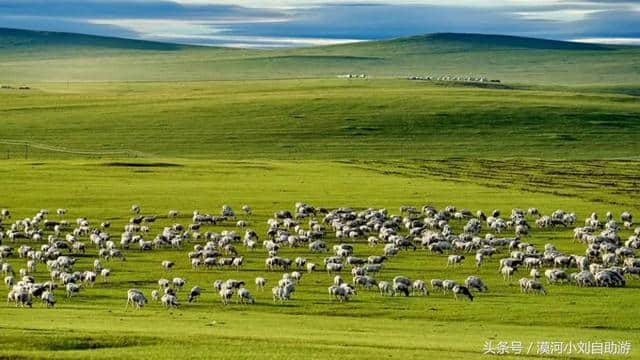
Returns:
(48,298)
(244,296)
(163,284)
(135,209)
(333,267)
(311,267)
(194,294)
(178,283)
(385,288)
(105,273)
(155,295)
(72,289)
(507,272)
(455,260)
(167,265)
(556,275)
(300,262)
(419,286)
(437,284)
(535,274)
(169,301)
(226,295)
(136,298)
(341,293)
(584,279)
(474,282)
(461,290)
(401,287)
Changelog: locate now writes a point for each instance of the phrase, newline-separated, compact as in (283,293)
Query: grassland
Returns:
(95,325)
(562,132)
(324,119)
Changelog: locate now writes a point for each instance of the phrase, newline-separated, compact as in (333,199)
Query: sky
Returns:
(286,23)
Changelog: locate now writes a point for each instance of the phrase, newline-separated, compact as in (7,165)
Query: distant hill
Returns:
(33,56)
(19,40)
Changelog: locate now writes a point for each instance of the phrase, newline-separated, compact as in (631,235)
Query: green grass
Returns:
(310,325)
(323,119)
(27,56)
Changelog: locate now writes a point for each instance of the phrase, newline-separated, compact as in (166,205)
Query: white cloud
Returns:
(610,41)
(557,15)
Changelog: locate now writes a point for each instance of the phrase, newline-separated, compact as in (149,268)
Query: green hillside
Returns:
(30,56)
(324,119)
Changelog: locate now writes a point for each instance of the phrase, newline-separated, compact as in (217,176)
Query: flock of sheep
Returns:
(51,241)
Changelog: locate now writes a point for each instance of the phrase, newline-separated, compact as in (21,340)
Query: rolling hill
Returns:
(30,56)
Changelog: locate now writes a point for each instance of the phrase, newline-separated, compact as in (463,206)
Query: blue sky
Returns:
(279,23)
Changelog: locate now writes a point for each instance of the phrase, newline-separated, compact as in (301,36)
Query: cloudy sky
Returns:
(278,23)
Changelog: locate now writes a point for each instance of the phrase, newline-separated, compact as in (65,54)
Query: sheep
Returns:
(194,294)
(385,288)
(136,298)
(167,265)
(474,282)
(609,278)
(300,262)
(437,284)
(105,273)
(261,283)
(169,301)
(584,279)
(155,295)
(89,277)
(507,272)
(178,283)
(244,296)
(341,293)
(401,287)
(419,286)
(97,265)
(531,285)
(72,289)
(135,209)
(20,295)
(461,290)
(9,280)
(296,275)
(367,281)
(555,275)
(247,209)
(479,260)
(282,293)
(454,260)
(48,298)
(333,267)
(237,262)
(163,284)
(311,267)
(535,274)
(226,295)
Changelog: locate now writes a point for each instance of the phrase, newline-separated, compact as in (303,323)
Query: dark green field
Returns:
(92,134)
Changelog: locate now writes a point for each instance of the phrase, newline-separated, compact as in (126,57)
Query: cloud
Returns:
(275,23)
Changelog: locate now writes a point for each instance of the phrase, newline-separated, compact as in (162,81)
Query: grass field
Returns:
(324,119)
(311,325)
(561,133)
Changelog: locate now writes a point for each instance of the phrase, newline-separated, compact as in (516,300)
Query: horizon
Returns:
(285,23)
